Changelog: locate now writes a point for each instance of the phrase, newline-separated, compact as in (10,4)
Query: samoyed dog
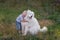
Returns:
(32,26)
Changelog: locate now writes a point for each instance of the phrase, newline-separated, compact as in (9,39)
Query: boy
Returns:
(20,19)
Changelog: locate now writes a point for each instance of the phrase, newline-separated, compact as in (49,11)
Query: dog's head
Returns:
(30,14)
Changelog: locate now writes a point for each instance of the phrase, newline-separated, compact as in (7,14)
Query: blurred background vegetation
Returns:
(46,11)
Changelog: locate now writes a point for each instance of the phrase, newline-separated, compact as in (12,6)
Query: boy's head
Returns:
(24,13)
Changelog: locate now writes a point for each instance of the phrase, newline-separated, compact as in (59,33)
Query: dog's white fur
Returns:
(32,26)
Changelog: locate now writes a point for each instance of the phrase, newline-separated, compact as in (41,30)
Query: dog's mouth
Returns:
(30,17)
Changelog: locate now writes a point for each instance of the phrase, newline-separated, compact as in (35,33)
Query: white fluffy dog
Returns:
(32,26)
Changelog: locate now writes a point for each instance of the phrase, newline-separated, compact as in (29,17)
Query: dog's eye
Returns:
(31,16)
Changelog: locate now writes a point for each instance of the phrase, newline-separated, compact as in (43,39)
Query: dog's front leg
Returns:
(26,31)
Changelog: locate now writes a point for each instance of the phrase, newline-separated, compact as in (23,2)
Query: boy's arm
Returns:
(23,20)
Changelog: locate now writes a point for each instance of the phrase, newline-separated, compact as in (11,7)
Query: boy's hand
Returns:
(24,21)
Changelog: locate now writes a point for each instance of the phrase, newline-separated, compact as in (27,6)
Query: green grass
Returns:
(8,17)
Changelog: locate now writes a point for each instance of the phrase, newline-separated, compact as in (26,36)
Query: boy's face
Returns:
(24,13)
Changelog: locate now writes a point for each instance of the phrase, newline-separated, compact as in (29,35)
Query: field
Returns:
(48,16)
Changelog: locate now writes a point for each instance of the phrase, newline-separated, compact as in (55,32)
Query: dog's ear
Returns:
(33,14)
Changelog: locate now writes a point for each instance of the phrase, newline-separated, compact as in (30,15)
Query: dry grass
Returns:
(9,31)
(46,22)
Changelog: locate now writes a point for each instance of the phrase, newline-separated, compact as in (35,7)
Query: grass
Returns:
(7,25)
